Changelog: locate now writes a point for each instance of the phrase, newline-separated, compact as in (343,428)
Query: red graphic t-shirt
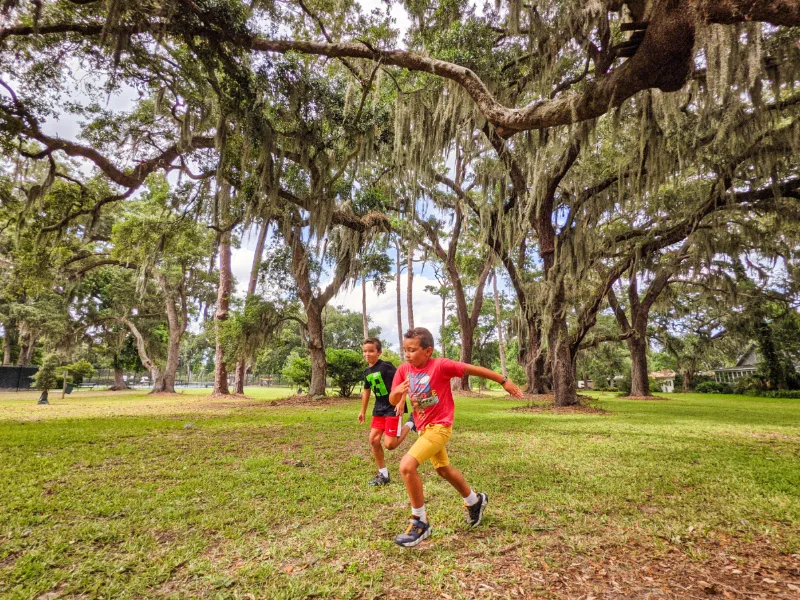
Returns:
(429,390)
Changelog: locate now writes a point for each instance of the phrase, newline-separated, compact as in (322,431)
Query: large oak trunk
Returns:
(562,364)
(640,383)
(316,351)
(239,377)
(221,315)
(119,381)
(534,360)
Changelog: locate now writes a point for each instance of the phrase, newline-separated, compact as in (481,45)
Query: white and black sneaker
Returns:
(410,423)
(417,531)
(475,512)
(379,479)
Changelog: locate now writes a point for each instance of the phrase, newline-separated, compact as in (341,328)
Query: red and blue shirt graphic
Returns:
(429,390)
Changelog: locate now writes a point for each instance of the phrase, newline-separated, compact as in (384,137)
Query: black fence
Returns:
(17,379)
(141,379)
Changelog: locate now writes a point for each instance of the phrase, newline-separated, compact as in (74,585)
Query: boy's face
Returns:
(416,355)
(370,353)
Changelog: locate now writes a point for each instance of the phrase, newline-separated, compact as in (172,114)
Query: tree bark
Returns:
(24,345)
(444,322)
(640,381)
(409,288)
(562,364)
(119,382)
(316,350)
(8,327)
(399,301)
(147,362)
(500,343)
(364,319)
(241,366)
(221,314)
(314,303)
(532,357)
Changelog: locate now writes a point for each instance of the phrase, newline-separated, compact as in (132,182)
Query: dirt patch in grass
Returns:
(217,403)
(583,407)
(722,569)
(303,400)
(646,398)
(468,394)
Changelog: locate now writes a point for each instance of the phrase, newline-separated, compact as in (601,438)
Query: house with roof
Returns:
(665,380)
(745,366)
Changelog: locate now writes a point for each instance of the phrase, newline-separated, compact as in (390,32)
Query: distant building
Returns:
(665,380)
(745,366)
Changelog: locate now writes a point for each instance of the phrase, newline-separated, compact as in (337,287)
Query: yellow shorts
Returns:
(430,445)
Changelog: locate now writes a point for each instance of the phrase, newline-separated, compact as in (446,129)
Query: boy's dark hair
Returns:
(424,335)
(375,341)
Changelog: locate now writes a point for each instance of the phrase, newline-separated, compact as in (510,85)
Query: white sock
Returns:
(420,513)
(471,499)
(384,471)
(409,424)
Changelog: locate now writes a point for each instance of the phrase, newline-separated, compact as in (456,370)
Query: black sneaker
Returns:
(416,532)
(475,512)
(379,479)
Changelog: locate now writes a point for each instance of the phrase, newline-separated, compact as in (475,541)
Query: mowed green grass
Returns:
(131,496)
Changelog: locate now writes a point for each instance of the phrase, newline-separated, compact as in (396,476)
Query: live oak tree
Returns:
(519,76)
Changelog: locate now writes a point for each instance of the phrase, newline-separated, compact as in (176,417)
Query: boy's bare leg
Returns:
(408,469)
(377,449)
(390,443)
(454,478)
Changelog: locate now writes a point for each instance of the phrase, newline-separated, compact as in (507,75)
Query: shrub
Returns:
(625,384)
(79,371)
(46,377)
(392,357)
(346,369)
(679,382)
(298,369)
(700,379)
(654,385)
(713,387)
(780,394)
(749,386)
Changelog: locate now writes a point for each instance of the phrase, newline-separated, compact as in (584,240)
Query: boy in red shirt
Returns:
(426,381)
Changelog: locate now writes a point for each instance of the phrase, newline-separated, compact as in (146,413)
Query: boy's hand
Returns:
(512,389)
(361,417)
(400,409)
(404,387)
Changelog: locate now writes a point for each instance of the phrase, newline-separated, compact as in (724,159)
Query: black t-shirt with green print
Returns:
(378,378)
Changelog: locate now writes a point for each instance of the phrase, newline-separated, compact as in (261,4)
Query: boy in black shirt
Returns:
(378,377)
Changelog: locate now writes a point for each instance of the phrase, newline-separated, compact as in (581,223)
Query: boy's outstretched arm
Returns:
(508,385)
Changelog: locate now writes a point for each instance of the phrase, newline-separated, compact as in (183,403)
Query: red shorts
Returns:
(386,424)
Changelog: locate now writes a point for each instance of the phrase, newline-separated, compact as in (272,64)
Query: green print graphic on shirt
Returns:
(377,385)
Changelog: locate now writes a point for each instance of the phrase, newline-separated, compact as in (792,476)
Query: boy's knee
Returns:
(390,443)
(443,471)
(408,465)
(375,439)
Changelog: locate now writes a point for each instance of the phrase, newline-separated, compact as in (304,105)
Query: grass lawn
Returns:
(124,495)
